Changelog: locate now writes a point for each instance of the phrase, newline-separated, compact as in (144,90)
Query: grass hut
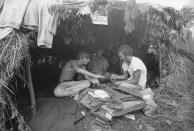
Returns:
(159,31)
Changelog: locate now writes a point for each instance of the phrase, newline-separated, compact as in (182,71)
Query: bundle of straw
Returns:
(13,49)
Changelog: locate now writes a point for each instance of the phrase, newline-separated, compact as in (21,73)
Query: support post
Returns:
(30,86)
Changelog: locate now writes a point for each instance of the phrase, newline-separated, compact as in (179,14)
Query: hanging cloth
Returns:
(11,15)
(130,15)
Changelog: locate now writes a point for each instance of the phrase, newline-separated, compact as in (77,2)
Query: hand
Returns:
(113,76)
(94,81)
(118,83)
(99,76)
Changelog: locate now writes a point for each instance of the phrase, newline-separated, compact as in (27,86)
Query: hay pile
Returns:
(13,49)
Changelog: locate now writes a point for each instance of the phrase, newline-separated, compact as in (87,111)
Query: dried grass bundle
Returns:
(13,49)
(176,95)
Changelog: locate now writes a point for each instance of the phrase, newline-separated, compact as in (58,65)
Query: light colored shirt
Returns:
(136,64)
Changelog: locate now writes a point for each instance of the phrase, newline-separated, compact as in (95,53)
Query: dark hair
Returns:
(82,55)
(126,50)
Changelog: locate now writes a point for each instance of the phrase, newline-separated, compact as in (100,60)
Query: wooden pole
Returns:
(30,86)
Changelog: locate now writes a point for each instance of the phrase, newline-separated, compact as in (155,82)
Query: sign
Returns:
(99,19)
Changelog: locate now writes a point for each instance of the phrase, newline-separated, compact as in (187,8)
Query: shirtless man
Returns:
(67,86)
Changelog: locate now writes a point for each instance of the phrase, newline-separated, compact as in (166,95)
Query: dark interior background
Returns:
(45,74)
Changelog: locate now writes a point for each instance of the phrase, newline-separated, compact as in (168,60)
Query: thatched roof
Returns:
(152,24)
(171,17)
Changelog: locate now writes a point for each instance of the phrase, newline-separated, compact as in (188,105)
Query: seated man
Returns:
(136,83)
(67,86)
(133,67)
(98,64)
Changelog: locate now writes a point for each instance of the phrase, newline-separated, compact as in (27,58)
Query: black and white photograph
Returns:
(96,65)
